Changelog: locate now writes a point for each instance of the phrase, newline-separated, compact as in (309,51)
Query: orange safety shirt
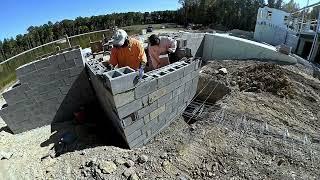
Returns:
(131,56)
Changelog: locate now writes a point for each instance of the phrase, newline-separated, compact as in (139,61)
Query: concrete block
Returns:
(148,126)
(64,89)
(138,142)
(75,71)
(146,110)
(57,59)
(25,69)
(42,63)
(48,95)
(127,121)
(69,80)
(134,135)
(189,68)
(79,62)
(164,99)
(145,87)
(62,74)
(129,108)
(145,101)
(67,65)
(73,54)
(135,126)
(163,78)
(16,94)
(123,98)
(157,94)
(121,80)
(157,112)
(48,87)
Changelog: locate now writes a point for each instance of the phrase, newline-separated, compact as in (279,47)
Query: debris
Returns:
(128,172)
(107,167)
(119,161)
(223,71)
(134,177)
(5,155)
(164,155)
(233,83)
(82,153)
(129,163)
(142,159)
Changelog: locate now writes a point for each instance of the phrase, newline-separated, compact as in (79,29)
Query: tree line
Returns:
(216,14)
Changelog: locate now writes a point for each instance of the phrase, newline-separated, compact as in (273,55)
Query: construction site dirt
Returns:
(250,120)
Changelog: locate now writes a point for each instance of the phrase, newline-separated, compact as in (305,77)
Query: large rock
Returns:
(108,167)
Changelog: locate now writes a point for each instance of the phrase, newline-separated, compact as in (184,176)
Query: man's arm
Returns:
(142,58)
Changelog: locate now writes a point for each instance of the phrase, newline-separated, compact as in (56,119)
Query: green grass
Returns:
(7,70)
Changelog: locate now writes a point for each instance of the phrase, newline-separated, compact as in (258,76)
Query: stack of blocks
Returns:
(50,89)
(140,109)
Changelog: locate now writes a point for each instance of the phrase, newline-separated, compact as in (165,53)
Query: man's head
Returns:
(119,38)
(154,40)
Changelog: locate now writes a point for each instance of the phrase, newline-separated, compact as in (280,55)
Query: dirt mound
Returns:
(264,77)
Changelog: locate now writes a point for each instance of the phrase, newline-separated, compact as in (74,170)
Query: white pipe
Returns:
(315,40)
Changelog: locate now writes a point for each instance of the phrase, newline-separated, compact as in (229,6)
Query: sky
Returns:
(17,15)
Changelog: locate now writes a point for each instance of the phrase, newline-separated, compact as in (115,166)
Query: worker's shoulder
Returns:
(134,41)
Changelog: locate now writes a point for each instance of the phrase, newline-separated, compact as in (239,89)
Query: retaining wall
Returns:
(50,90)
(223,46)
(140,109)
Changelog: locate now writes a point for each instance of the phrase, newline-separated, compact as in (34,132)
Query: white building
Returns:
(271,26)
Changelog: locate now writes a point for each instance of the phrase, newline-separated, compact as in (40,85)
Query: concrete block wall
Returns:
(50,90)
(195,42)
(140,109)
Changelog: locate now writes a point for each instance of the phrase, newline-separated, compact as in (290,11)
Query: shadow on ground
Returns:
(80,122)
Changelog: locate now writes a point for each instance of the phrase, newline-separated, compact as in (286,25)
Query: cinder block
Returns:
(121,80)
(134,135)
(148,126)
(47,87)
(73,54)
(157,112)
(79,62)
(62,74)
(70,80)
(127,121)
(145,87)
(16,94)
(145,101)
(164,99)
(157,94)
(42,63)
(135,126)
(57,59)
(47,70)
(163,78)
(48,95)
(146,110)
(75,71)
(67,65)
(123,98)
(138,142)
(188,69)
(129,108)
(64,89)
(25,69)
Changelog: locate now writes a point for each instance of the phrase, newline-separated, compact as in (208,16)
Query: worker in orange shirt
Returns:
(127,52)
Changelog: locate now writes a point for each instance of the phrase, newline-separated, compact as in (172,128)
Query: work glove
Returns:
(141,69)
(141,72)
